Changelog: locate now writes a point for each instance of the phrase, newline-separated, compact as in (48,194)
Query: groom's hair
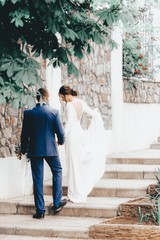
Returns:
(67,90)
(42,93)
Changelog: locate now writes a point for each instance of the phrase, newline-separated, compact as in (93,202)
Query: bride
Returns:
(85,150)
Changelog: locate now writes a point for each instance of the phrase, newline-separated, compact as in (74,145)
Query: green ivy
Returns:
(18,78)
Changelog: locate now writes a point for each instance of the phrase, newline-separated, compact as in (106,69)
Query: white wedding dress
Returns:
(85,150)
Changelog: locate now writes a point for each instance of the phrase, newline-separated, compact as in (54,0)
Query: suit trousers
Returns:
(37,167)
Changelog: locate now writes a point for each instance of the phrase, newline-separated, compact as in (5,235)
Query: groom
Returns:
(41,126)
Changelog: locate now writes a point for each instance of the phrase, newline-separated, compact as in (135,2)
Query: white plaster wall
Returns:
(135,126)
(16,178)
(141,124)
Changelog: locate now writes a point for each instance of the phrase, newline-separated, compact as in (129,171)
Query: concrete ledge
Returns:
(147,156)
(132,160)
(155,146)
(130,171)
(126,188)
(50,226)
(8,208)
(95,207)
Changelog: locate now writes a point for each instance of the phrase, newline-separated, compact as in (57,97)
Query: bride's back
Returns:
(78,107)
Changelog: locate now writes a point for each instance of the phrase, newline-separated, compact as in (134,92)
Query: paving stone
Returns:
(16,237)
(155,146)
(50,226)
(113,188)
(130,171)
(95,207)
(147,156)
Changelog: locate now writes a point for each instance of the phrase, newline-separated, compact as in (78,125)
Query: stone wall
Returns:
(94,81)
(140,91)
(124,232)
(10,128)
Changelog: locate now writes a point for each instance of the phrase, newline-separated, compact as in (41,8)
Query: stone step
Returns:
(127,188)
(155,145)
(51,227)
(147,157)
(95,207)
(20,237)
(130,171)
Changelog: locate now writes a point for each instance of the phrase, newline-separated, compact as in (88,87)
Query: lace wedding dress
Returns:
(85,150)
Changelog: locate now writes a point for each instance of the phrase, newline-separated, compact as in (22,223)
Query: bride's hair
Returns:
(67,90)
(42,93)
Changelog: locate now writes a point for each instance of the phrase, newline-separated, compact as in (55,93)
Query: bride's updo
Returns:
(67,90)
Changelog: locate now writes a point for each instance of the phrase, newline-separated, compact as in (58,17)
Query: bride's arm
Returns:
(69,120)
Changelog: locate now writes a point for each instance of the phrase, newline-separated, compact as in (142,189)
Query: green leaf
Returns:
(4,66)
(72,69)
(102,14)
(89,49)
(97,38)
(2,2)
(55,64)
(19,75)
(17,95)
(25,78)
(14,1)
(32,78)
(83,36)
(33,63)
(2,99)
(53,27)
(62,55)
(10,71)
(69,52)
(70,34)
(15,103)
(39,81)
(23,100)
(1,81)
(19,23)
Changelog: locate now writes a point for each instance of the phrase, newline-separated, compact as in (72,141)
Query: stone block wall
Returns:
(124,232)
(140,91)
(10,129)
(94,81)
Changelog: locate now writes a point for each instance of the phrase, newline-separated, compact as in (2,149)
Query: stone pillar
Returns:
(53,83)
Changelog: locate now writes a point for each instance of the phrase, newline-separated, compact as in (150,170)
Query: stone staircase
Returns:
(127,176)
(156,145)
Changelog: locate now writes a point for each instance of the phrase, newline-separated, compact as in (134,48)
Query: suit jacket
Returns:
(40,127)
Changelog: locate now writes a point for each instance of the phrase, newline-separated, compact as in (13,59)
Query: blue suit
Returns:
(41,126)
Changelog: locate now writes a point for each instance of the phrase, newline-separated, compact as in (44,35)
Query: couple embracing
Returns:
(42,132)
